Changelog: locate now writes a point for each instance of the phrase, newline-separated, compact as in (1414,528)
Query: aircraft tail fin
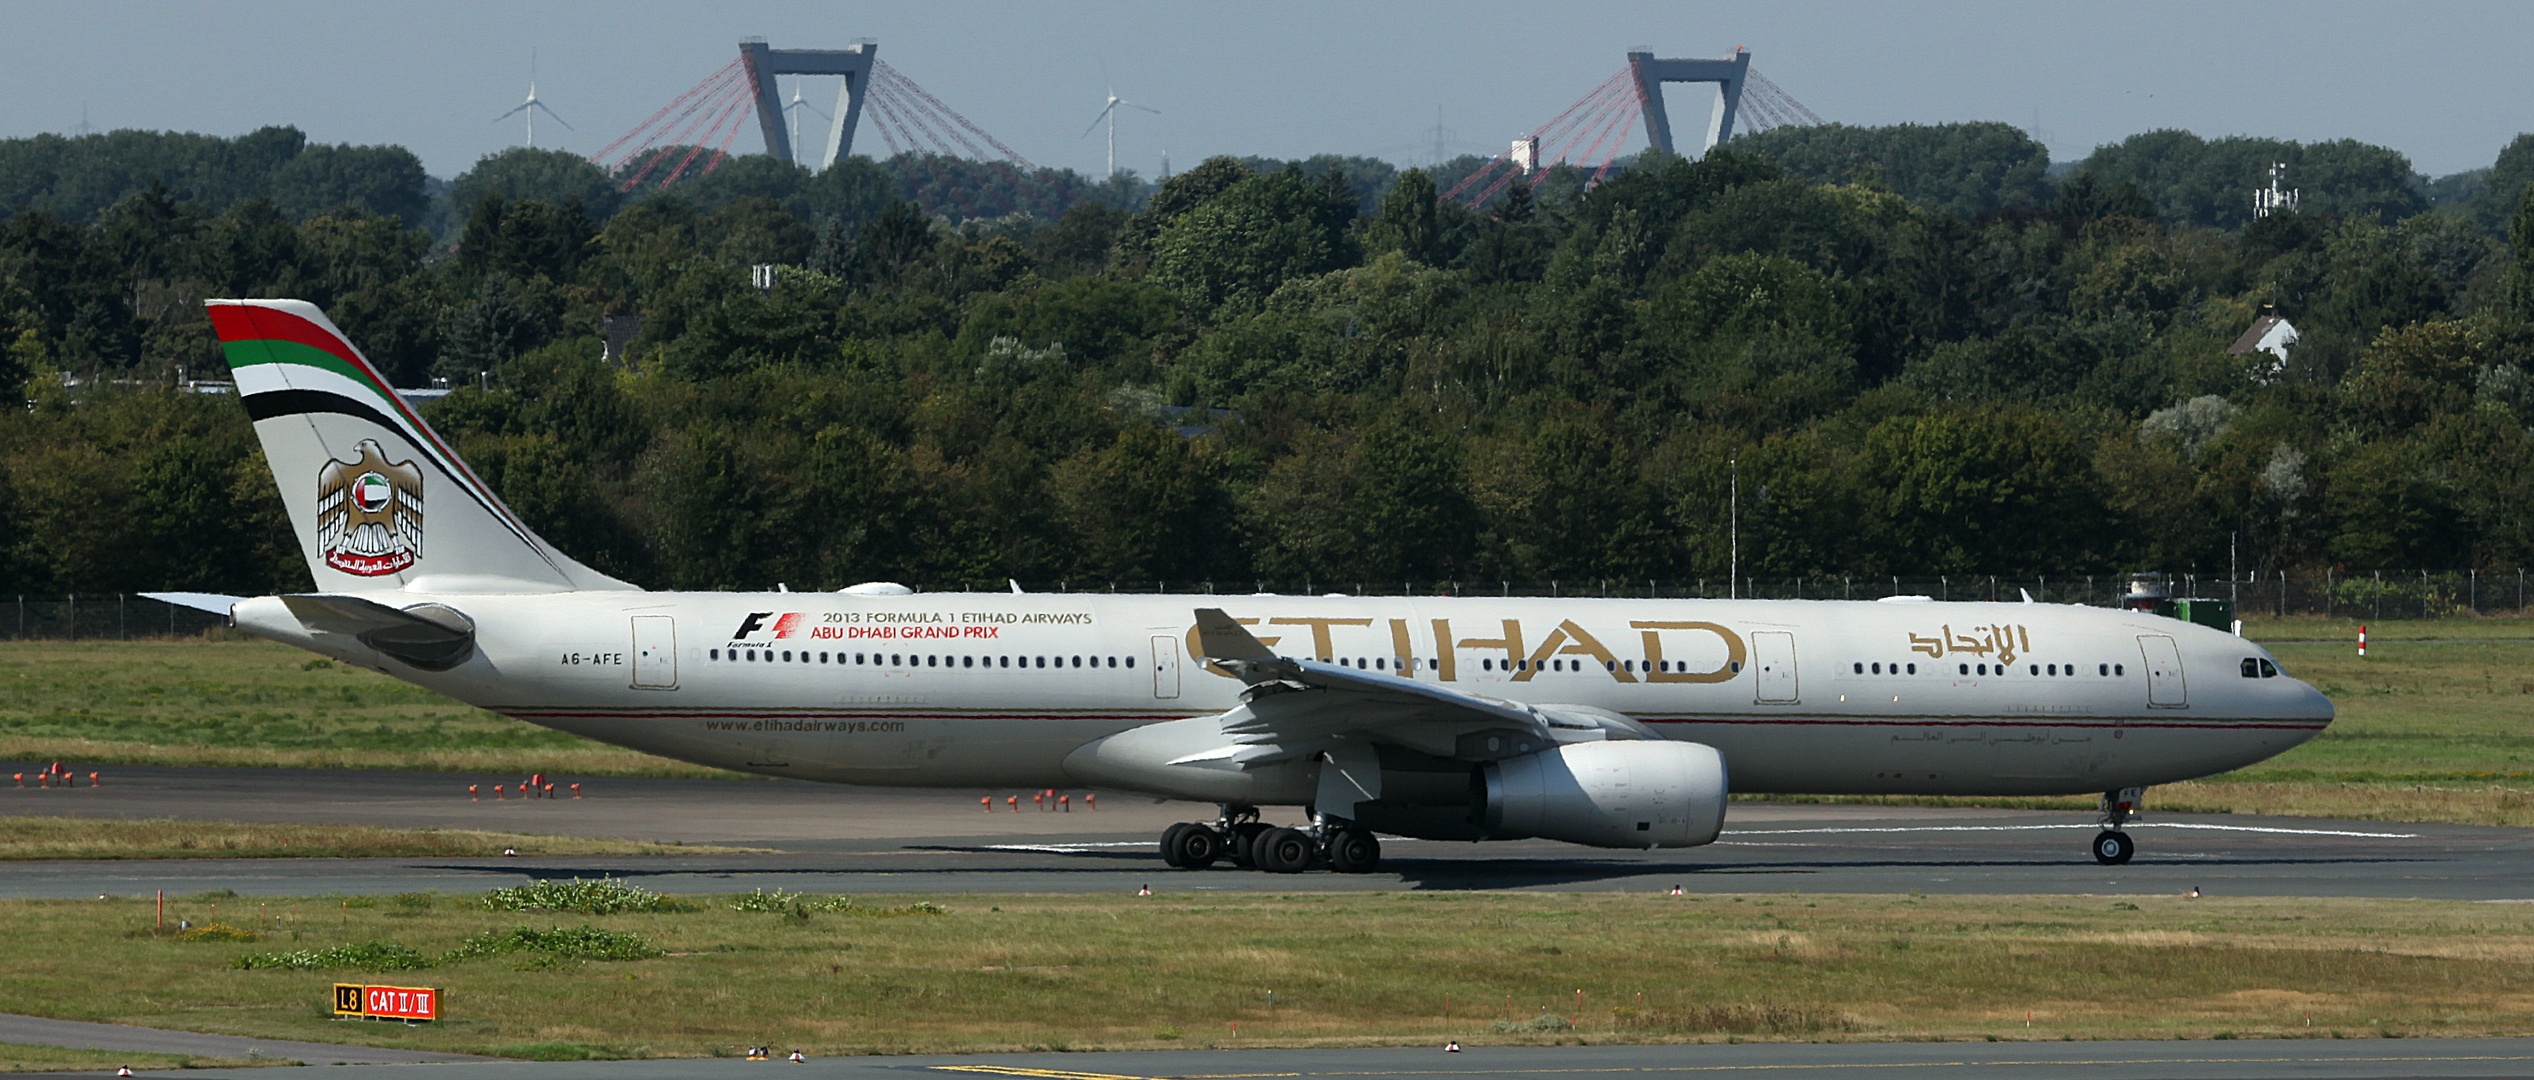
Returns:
(378,500)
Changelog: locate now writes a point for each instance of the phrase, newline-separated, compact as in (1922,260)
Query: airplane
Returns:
(1614,723)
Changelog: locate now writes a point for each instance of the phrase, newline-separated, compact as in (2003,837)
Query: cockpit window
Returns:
(2269,670)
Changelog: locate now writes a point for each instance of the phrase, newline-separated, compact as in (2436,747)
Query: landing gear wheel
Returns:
(1243,845)
(1283,851)
(1190,846)
(2113,847)
(1354,851)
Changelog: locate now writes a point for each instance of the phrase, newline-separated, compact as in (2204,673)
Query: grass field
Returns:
(1115,972)
(21,1058)
(248,702)
(2436,725)
(87,838)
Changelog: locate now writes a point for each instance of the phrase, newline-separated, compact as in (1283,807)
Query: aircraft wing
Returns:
(1297,708)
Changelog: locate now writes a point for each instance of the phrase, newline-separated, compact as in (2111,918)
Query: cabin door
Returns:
(654,652)
(1165,667)
(1773,659)
(2165,688)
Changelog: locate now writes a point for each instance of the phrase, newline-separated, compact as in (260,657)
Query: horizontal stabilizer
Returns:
(432,637)
(199,601)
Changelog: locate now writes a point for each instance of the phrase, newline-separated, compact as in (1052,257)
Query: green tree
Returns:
(553,177)
(1146,507)
(1407,222)
(1963,169)
(1228,254)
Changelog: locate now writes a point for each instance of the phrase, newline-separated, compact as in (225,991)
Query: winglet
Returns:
(1221,638)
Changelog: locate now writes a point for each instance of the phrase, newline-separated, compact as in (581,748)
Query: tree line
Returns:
(1917,350)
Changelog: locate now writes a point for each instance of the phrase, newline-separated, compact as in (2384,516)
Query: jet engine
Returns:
(1636,793)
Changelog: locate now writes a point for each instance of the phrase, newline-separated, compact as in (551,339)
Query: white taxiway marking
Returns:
(2131,825)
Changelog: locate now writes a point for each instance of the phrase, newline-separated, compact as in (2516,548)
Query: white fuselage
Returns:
(990,690)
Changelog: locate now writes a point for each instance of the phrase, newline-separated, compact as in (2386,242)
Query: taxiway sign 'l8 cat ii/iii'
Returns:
(1613,723)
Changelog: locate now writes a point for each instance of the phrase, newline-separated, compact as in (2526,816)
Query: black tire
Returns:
(1354,851)
(2113,847)
(1170,845)
(1243,844)
(1193,847)
(1283,851)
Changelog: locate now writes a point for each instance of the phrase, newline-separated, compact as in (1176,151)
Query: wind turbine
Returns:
(531,106)
(1110,114)
(794,109)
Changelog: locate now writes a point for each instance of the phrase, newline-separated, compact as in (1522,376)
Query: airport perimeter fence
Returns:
(2362,595)
(2368,594)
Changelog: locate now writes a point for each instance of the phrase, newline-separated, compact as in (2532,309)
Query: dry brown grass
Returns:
(1180,970)
(92,838)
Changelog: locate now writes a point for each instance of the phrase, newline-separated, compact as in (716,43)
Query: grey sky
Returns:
(2445,84)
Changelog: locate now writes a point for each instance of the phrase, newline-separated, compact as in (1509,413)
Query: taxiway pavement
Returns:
(2319,1059)
(831,839)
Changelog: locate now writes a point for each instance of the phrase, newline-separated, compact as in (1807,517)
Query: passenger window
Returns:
(713,654)
(2102,669)
(2118,670)
(1487,665)
(967,661)
(2035,669)
(1736,666)
(1966,669)
(1130,663)
(1913,669)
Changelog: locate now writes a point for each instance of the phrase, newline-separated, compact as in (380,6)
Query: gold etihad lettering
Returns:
(1521,662)
(1511,643)
(1653,631)
(2001,642)
(1321,649)
(1571,640)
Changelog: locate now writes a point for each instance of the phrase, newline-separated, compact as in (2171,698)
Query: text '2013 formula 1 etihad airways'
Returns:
(1613,723)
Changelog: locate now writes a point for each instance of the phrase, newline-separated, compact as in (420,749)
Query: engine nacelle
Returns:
(1639,793)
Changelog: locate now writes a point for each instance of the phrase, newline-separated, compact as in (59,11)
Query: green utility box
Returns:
(2219,614)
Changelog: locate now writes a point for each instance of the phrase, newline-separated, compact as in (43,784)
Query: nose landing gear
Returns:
(2112,846)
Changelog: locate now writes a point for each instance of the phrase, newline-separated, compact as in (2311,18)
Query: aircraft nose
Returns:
(2312,705)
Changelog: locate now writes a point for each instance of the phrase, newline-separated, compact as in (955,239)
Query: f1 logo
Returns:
(751,624)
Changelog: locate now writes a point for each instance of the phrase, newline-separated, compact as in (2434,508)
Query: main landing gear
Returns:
(2112,847)
(1238,835)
